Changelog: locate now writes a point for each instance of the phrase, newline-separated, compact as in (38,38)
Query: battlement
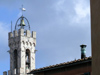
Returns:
(21,32)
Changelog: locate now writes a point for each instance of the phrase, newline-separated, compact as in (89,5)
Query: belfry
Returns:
(22,48)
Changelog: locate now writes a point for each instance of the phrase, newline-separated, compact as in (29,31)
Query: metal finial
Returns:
(22,9)
(22,20)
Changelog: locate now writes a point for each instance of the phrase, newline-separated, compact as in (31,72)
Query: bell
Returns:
(22,23)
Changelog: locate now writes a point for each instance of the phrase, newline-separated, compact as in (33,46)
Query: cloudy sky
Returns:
(61,26)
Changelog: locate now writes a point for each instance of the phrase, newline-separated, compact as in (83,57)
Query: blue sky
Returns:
(61,26)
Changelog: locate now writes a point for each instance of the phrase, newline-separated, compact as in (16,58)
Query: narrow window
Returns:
(27,59)
(15,60)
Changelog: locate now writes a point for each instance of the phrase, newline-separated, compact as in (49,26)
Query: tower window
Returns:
(15,58)
(15,61)
(27,58)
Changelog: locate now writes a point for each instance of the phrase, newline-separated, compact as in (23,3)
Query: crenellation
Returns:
(9,72)
(10,35)
(34,34)
(28,34)
(15,33)
(21,32)
(34,37)
(5,73)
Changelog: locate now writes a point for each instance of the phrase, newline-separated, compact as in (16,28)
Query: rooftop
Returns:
(71,63)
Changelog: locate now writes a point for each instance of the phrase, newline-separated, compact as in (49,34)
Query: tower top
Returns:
(22,22)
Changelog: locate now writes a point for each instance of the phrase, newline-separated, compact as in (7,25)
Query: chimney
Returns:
(83,51)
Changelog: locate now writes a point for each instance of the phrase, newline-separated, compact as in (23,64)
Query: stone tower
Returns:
(95,36)
(22,49)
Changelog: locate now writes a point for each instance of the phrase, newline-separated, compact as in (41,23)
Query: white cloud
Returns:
(59,5)
(62,11)
(82,10)
(74,12)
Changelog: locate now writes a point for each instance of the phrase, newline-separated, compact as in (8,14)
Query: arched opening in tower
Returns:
(15,61)
(27,57)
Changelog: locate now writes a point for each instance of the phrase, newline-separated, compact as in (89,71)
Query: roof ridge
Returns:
(64,63)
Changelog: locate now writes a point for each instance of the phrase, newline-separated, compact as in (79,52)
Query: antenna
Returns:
(11,26)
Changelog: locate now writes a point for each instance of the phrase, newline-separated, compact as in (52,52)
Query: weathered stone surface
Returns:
(21,42)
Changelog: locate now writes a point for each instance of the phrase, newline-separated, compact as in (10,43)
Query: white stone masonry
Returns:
(23,44)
